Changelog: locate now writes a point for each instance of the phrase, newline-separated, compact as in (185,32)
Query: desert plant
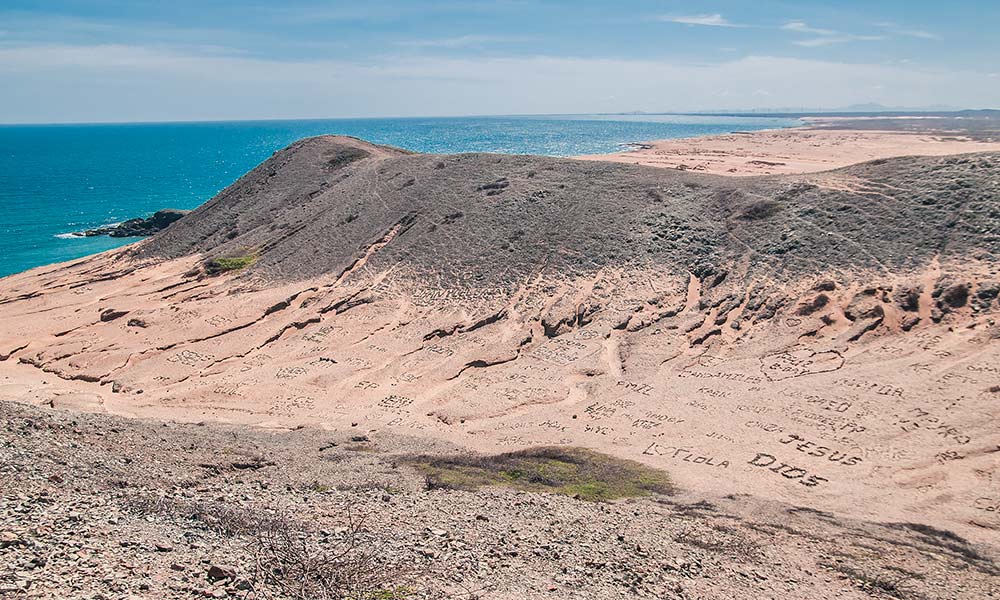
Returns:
(284,558)
(287,564)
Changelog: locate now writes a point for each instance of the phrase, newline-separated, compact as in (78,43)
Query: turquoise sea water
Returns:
(56,179)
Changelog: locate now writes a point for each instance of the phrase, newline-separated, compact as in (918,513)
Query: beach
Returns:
(821,144)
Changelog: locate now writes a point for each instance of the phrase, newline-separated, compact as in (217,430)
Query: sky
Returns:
(129,60)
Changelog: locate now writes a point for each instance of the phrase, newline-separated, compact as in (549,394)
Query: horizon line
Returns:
(761,113)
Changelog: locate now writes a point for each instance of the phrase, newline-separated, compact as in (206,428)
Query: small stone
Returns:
(163,547)
(219,572)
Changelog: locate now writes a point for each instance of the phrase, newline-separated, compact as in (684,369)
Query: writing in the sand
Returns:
(881,389)
(823,421)
(786,470)
(190,358)
(785,365)
(290,372)
(840,406)
(395,402)
(256,361)
(918,418)
(714,392)
(740,377)
(321,334)
(550,424)
(690,455)
(990,505)
(715,435)
(600,411)
(638,388)
(812,449)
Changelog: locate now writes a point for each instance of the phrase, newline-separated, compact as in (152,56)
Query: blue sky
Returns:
(118,60)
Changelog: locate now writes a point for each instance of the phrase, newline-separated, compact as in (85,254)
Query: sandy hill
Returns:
(826,340)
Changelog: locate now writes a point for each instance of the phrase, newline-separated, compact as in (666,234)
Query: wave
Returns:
(82,233)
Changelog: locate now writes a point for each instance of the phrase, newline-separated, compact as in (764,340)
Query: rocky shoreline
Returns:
(140,227)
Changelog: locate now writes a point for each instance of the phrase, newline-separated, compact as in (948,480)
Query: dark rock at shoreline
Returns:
(160,220)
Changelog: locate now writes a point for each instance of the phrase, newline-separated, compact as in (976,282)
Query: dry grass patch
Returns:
(576,472)
(224,264)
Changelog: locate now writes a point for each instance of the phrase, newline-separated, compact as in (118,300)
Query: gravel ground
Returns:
(95,506)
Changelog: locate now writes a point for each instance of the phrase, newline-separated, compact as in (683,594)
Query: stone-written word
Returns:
(786,470)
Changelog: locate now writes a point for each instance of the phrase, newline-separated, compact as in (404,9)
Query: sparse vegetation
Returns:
(880,584)
(949,542)
(134,492)
(577,472)
(225,264)
(284,559)
(719,538)
(288,565)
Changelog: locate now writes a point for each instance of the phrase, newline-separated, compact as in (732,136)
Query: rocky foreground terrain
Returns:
(536,377)
(105,507)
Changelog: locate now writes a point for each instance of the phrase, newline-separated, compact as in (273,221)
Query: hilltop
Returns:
(504,219)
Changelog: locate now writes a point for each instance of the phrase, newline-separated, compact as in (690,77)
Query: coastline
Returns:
(182,165)
(820,145)
(353,327)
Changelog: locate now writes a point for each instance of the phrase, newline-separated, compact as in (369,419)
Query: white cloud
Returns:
(713,20)
(825,37)
(836,39)
(828,37)
(132,83)
(908,32)
(802,27)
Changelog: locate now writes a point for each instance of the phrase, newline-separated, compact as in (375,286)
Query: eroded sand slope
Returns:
(827,340)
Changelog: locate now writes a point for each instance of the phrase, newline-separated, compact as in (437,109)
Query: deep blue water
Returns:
(56,179)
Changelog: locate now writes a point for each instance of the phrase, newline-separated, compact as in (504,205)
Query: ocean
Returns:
(57,179)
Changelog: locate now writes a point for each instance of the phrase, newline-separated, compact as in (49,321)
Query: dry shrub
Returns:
(288,564)
(283,558)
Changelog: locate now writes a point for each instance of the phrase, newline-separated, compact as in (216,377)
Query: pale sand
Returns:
(807,407)
(892,427)
(796,150)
